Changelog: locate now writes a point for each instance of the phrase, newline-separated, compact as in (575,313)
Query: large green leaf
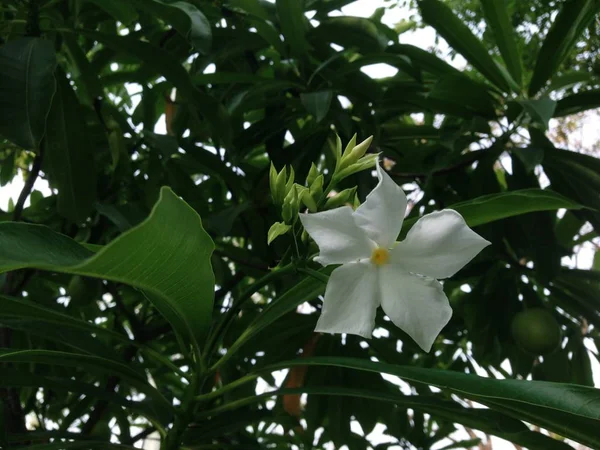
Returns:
(167,256)
(184,17)
(570,22)
(293,25)
(458,35)
(570,410)
(497,16)
(26,89)
(68,155)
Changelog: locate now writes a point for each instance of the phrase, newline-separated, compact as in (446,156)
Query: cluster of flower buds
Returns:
(290,196)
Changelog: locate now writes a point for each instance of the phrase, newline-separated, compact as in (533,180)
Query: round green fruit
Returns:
(536,331)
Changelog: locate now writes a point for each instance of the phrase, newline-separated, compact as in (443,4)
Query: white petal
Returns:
(350,300)
(415,304)
(438,245)
(339,239)
(382,213)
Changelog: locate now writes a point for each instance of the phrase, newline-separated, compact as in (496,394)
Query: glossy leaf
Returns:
(26,89)
(167,256)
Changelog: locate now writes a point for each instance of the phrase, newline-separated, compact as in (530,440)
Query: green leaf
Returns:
(276,230)
(540,110)
(490,208)
(119,9)
(317,103)
(573,104)
(68,154)
(497,17)
(458,35)
(167,256)
(424,59)
(185,18)
(293,25)
(26,89)
(570,410)
(571,21)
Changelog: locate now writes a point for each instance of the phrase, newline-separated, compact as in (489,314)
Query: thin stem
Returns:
(28,187)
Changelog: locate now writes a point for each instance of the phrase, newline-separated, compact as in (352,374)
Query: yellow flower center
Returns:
(380,256)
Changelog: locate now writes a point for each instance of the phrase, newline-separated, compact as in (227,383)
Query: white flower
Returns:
(376,271)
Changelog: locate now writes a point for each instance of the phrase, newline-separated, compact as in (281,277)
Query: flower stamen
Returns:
(380,256)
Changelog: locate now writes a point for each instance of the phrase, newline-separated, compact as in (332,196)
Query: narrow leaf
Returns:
(293,25)
(497,16)
(26,89)
(573,104)
(570,22)
(458,35)
(68,154)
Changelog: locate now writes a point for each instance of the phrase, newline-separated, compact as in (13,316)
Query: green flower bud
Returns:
(291,204)
(352,155)
(308,200)
(341,198)
(290,181)
(316,188)
(313,173)
(338,149)
(366,162)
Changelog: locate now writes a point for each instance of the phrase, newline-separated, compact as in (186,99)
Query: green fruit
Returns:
(536,331)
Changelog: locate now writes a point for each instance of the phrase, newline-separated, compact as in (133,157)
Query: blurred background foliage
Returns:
(202,96)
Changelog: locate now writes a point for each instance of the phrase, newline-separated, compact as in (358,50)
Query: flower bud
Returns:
(341,198)
(353,154)
(313,173)
(291,204)
(308,200)
(316,188)
(366,162)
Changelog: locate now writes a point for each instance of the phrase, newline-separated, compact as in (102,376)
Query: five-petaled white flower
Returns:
(375,270)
